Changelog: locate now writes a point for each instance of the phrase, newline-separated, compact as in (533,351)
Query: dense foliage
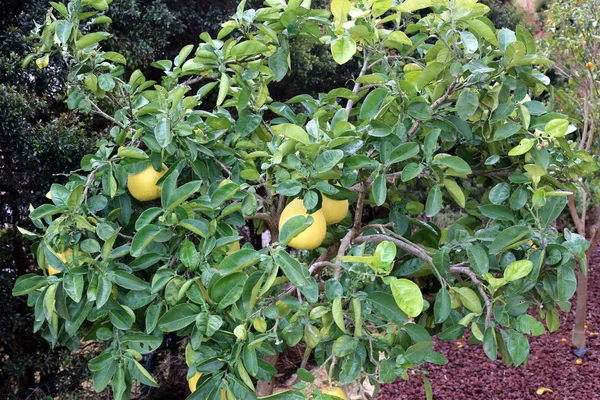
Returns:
(445,110)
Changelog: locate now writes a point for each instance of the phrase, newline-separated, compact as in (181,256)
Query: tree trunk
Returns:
(265,388)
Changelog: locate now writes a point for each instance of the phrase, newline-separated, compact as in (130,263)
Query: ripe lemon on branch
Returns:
(142,185)
(314,235)
(334,210)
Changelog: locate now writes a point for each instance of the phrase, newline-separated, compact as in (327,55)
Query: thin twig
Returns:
(404,245)
(356,88)
(223,166)
(98,111)
(463,269)
(320,265)
(443,99)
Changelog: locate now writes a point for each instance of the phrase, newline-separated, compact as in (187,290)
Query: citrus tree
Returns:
(574,46)
(250,225)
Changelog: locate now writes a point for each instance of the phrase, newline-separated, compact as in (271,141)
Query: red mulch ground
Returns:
(469,374)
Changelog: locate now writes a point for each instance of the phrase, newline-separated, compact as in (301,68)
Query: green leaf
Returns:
(518,347)
(434,201)
(248,48)
(499,193)
(455,192)
(90,39)
(142,375)
(103,376)
(396,40)
(523,147)
(63,31)
(338,313)
(404,152)
(417,352)
(507,130)
(298,274)
(292,131)
(517,270)
(411,171)
(442,306)
(429,73)
(178,317)
(372,103)
(514,53)
(467,104)
(163,132)
(510,237)
(490,346)
(223,88)
(228,289)
(456,163)
(478,259)
(45,210)
(414,5)
(552,209)
(344,345)
(469,299)
(143,238)
(385,306)
(293,227)
(500,213)
(343,49)
(566,282)
(197,226)
(182,193)
(129,281)
(327,160)
(557,128)
(239,261)
(407,295)
(379,189)
(28,283)
(278,63)
(483,30)
(147,216)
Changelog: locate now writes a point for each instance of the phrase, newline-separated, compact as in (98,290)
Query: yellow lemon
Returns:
(63,257)
(335,391)
(334,210)
(142,185)
(193,381)
(312,237)
(234,247)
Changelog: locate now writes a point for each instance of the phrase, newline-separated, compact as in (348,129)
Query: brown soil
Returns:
(469,374)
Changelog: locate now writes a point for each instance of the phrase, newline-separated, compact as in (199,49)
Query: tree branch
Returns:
(576,220)
(443,99)
(356,88)
(463,269)
(404,245)
(98,111)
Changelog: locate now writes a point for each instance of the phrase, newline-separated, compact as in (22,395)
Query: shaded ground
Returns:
(471,375)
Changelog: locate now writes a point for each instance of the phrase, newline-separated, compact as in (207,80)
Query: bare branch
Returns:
(98,111)
(320,265)
(356,88)
(576,220)
(463,269)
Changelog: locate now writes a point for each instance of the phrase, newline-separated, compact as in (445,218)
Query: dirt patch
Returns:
(471,375)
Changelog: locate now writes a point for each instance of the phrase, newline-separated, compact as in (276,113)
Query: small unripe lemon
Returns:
(314,235)
(334,210)
(335,391)
(142,185)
